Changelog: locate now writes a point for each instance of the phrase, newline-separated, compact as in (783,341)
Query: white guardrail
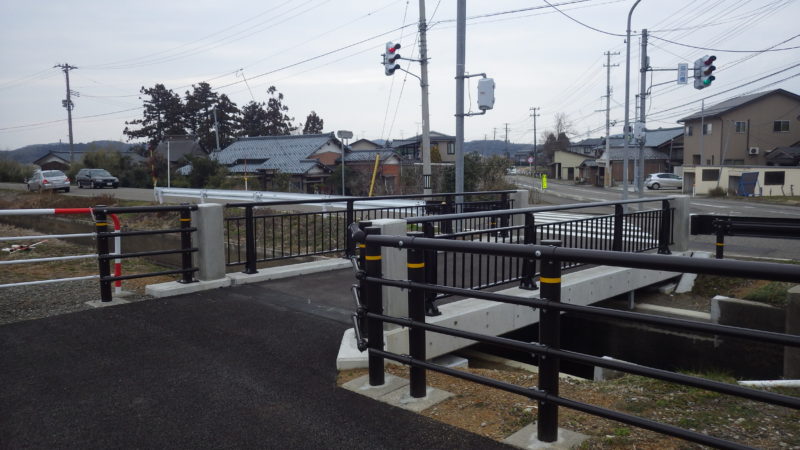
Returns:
(204,195)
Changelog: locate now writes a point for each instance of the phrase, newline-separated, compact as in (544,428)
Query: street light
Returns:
(627,105)
(343,135)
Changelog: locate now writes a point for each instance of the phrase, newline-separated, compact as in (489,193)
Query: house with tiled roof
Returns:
(385,163)
(411,148)
(307,159)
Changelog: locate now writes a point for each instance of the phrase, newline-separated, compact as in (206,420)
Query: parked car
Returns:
(96,178)
(43,180)
(663,180)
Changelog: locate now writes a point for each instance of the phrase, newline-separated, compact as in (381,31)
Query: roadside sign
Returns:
(530,159)
(683,73)
(544,181)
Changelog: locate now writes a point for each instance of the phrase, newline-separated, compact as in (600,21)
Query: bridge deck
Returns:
(243,367)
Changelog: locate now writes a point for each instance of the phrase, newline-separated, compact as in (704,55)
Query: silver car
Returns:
(43,180)
(663,180)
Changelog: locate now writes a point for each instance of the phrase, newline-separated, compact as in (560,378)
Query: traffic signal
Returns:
(390,57)
(703,69)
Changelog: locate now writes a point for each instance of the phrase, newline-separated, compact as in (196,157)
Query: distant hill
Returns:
(31,153)
(492,148)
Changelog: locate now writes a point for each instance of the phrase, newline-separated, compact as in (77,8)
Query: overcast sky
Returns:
(324,55)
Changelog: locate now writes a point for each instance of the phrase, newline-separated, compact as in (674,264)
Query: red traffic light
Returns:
(392,48)
(710,60)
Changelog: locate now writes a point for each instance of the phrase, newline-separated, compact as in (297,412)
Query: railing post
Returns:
(431,271)
(186,245)
(504,218)
(616,245)
(722,228)
(447,208)
(249,241)
(528,281)
(372,258)
(350,248)
(104,265)
(665,230)
(363,225)
(416,311)
(550,337)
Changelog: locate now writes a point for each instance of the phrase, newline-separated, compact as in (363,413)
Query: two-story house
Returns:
(723,141)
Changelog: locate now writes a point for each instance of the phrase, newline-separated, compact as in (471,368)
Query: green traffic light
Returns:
(708,81)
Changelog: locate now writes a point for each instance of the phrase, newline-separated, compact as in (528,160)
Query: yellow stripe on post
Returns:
(101,224)
(362,245)
(549,280)
(416,265)
(185,220)
(373,258)
(720,245)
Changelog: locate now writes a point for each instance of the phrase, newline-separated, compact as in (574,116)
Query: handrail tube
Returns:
(561,401)
(141,209)
(533,209)
(540,349)
(144,232)
(46,236)
(747,269)
(54,258)
(148,274)
(57,280)
(343,199)
(148,253)
(758,335)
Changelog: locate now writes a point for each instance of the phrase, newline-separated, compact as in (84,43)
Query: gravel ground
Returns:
(37,301)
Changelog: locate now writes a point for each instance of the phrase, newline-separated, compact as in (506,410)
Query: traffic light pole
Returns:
(642,110)
(461,38)
(626,131)
(423,82)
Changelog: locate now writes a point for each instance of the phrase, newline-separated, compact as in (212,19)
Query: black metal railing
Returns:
(763,227)
(184,229)
(550,254)
(264,233)
(633,231)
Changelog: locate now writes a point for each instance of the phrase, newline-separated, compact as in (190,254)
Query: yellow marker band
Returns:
(720,245)
(550,280)
(416,265)
(362,245)
(101,224)
(373,258)
(186,220)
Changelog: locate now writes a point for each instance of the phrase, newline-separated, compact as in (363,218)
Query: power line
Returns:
(730,51)
(581,23)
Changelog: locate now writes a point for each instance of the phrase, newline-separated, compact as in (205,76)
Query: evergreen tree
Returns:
(254,120)
(278,122)
(199,115)
(313,124)
(162,115)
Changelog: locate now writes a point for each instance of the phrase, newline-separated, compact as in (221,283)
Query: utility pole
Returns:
(68,104)
(461,38)
(642,113)
(534,114)
(627,104)
(506,137)
(608,65)
(426,127)
(494,134)
(216,126)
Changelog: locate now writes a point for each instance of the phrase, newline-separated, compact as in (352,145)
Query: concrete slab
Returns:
(293,270)
(361,386)
(102,304)
(395,392)
(172,288)
(350,357)
(686,282)
(526,438)
(678,313)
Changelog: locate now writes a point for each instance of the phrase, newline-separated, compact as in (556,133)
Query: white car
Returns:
(663,180)
(44,180)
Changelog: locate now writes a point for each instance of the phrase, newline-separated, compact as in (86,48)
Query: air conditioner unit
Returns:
(752,151)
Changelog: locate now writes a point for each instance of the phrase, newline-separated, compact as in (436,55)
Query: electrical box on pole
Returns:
(390,57)
(485,94)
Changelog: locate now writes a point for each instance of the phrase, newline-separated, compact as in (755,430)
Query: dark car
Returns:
(96,178)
